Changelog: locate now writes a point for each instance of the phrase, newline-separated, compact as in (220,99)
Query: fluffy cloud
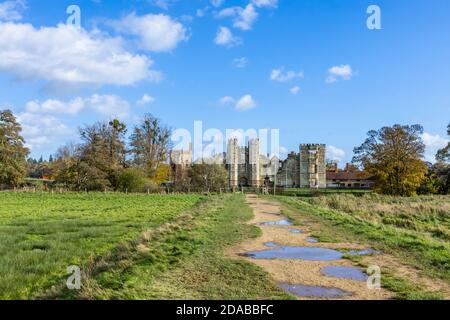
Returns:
(72,107)
(226,100)
(41,130)
(240,62)
(156,32)
(335,154)
(280,75)
(295,90)
(343,72)
(433,143)
(217,3)
(245,103)
(226,38)
(244,18)
(109,106)
(265,3)
(69,56)
(12,10)
(146,99)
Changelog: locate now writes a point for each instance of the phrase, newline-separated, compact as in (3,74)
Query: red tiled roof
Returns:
(343,175)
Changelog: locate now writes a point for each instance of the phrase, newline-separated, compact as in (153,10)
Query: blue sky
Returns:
(309,68)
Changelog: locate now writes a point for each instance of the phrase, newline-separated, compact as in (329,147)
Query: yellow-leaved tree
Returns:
(394,156)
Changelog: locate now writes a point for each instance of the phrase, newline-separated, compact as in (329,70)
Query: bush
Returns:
(131,180)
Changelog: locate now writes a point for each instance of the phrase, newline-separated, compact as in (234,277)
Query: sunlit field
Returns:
(42,234)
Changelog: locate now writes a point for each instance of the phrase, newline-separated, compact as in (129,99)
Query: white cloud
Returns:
(56,106)
(156,32)
(217,3)
(244,18)
(245,103)
(226,100)
(69,56)
(225,38)
(343,72)
(40,130)
(280,75)
(240,62)
(109,106)
(146,99)
(265,3)
(295,90)
(335,154)
(12,10)
(433,143)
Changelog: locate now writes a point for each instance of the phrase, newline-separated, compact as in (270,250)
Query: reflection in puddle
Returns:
(344,273)
(296,231)
(303,253)
(363,252)
(314,291)
(312,240)
(271,244)
(284,222)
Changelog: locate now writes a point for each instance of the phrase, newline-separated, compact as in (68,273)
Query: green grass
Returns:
(188,261)
(42,234)
(355,222)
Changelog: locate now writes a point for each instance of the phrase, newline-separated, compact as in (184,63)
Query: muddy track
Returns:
(301,272)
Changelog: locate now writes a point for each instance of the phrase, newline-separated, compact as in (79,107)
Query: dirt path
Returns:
(296,271)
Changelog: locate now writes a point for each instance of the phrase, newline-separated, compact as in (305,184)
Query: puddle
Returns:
(284,222)
(302,253)
(312,240)
(296,231)
(314,291)
(344,273)
(364,252)
(271,244)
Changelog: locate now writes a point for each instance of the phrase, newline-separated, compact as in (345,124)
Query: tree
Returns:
(394,156)
(443,155)
(131,180)
(208,177)
(102,154)
(150,145)
(13,153)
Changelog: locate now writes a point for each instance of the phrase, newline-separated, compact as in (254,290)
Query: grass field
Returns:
(128,247)
(42,234)
(414,229)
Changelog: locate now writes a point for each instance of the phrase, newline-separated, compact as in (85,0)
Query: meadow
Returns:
(42,234)
(416,229)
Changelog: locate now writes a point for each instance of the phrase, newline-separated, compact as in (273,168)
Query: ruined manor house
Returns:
(248,168)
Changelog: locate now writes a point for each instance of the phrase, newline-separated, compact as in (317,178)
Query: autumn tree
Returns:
(394,156)
(13,153)
(150,145)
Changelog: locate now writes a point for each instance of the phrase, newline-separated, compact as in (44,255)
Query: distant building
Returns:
(349,178)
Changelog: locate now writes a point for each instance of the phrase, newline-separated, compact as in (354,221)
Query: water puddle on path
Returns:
(363,252)
(314,291)
(343,272)
(312,240)
(296,231)
(302,253)
(284,222)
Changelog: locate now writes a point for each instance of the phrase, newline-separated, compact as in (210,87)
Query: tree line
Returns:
(107,160)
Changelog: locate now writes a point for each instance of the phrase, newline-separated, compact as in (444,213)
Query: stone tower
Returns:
(312,166)
(233,162)
(254,176)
